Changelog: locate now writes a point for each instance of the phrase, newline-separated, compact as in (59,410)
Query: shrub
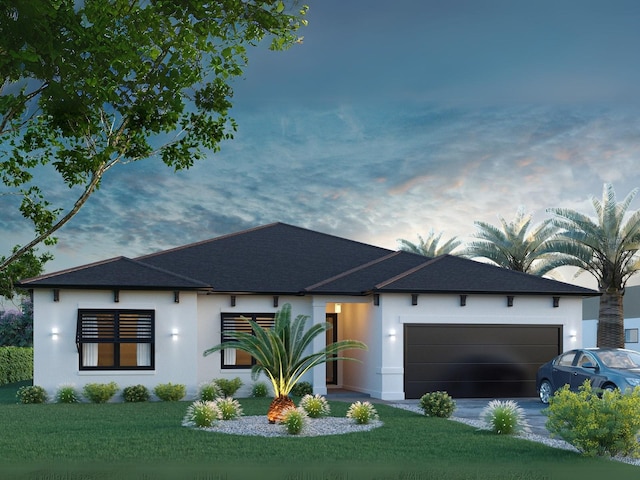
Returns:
(315,406)
(437,404)
(594,424)
(229,387)
(294,420)
(228,408)
(99,392)
(170,392)
(301,389)
(504,417)
(362,412)
(31,394)
(16,364)
(208,392)
(67,394)
(135,393)
(201,414)
(16,326)
(259,389)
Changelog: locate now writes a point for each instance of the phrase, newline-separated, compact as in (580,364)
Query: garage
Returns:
(477,361)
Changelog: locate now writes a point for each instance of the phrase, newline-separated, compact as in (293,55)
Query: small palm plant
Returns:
(280,354)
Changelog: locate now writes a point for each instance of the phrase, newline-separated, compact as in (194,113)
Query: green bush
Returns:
(504,417)
(208,392)
(301,389)
(437,404)
(228,408)
(16,326)
(31,394)
(294,420)
(201,414)
(16,364)
(315,406)
(596,423)
(229,387)
(135,393)
(362,412)
(99,392)
(170,392)
(67,394)
(259,389)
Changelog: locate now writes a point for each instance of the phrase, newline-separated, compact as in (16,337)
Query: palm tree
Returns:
(430,247)
(514,246)
(280,353)
(606,248)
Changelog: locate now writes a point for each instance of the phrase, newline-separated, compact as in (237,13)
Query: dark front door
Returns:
(332,337)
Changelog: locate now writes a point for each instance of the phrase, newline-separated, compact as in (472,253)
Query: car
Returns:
(606,368)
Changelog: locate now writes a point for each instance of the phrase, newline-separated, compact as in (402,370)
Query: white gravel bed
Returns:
(258,425)
(551,442)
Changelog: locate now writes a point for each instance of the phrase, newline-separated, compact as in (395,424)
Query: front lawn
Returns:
(146,440)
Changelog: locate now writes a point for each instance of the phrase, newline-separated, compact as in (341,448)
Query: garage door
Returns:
(477,361)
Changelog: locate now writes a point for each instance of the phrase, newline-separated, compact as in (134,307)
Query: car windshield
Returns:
(619,359)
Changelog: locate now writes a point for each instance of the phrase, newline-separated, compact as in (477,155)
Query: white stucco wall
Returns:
(590,333)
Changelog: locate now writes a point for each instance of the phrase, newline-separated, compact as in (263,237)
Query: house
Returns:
(631,305)
(443,323)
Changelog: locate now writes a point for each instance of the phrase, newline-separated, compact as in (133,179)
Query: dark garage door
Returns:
(477,361)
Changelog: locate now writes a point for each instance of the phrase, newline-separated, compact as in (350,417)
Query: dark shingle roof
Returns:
(284,259)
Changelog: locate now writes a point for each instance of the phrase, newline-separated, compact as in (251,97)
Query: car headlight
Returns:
(634,382)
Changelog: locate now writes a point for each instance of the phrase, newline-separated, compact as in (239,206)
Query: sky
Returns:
(392,119)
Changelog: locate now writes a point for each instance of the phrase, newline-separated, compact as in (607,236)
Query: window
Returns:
(566,360)
(236,322)
(115,339)
(631,335)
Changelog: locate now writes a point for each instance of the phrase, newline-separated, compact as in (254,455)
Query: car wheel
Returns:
(545,391)
(609,387)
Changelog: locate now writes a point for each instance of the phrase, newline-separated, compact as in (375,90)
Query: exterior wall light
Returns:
(337,308)
(392,334)
(54,333)
(174,334)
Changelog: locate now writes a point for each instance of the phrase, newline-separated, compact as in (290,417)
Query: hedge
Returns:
(16,364)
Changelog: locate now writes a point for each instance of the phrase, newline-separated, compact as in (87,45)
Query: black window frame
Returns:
(235,322)
(116,334)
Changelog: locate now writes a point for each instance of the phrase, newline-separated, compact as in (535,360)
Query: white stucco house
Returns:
(443,323)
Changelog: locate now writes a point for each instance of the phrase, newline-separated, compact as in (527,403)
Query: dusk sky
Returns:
(394,118)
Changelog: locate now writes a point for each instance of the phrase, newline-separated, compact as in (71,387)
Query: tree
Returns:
(431,247)
(281,353)
(607,248)
(515,246)
(89,85)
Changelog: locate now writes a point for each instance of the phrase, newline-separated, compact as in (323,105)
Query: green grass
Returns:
(146,440)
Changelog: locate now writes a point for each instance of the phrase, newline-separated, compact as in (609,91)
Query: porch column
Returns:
(319,373)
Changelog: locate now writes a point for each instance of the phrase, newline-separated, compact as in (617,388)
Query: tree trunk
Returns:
(611,320)
(278,407)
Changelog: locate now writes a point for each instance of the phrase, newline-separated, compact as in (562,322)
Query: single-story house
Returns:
(443,323)
(631,305)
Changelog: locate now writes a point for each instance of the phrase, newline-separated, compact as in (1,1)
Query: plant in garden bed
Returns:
(67,394)
(504,417)
(228,386)
(209,391)
(437,404)
(301,389)
(99,392)
(136,393)
(170,392)
(294,419)
(31,394)
(315,406)
(202,414)
(362,412)
(279,352)
(259,389)
(595,422)
(228,408)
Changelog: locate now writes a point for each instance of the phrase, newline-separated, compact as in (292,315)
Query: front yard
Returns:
(146,440)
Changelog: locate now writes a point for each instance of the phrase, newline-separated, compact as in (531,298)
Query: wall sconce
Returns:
(392,333)
(573,335)
(337,308)
(174,334)
(54,333)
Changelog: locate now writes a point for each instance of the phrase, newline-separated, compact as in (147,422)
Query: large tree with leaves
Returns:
(93,84)
(432,246)
(607,248)
(283,354)
(514,245)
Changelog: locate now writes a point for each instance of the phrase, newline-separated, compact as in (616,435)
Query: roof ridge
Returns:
(352,270)
(406,273)
(74,269)
(168,272)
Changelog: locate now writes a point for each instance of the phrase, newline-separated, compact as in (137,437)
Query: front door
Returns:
(332,337)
